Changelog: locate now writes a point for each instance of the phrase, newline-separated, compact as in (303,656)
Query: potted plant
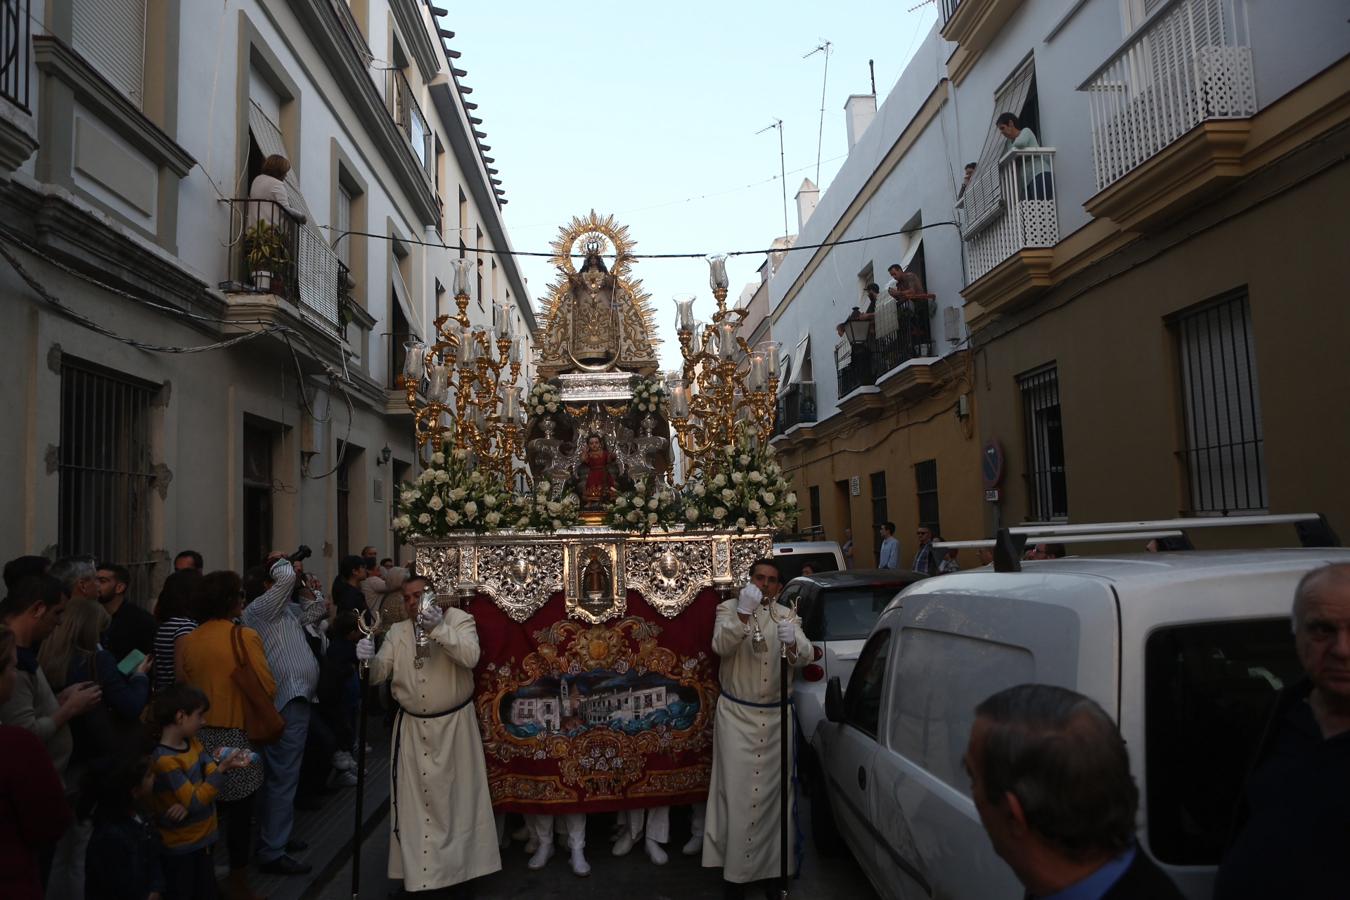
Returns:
(266,255)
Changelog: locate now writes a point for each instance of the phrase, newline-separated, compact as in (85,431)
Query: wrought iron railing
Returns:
(949,8)
(402,105)
(1190,62)
(14,51)
(1009,208)
(900,332)
(796,406)
(273,253)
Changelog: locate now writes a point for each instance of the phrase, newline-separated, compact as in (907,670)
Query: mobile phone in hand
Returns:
(130,662)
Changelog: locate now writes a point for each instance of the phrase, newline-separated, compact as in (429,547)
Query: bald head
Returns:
(1326,580)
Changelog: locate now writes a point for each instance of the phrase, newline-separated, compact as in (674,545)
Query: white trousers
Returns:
(654,821)
(572,824)
(700,816)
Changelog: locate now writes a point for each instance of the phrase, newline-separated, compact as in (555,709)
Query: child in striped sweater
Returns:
(186,782)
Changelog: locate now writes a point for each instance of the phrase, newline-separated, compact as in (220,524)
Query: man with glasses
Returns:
(926,559)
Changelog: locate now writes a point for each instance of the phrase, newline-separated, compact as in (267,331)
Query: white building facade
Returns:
(131,132)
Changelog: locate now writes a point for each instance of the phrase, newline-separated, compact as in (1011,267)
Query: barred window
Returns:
(879,513)
(926,487)
(1225,452)
(106,470)
(1047,488)
(814,495)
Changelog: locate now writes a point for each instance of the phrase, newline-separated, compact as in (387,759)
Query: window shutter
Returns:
(110,34)
(343,224)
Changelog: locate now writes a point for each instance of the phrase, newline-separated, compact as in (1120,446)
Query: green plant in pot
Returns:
(266,254)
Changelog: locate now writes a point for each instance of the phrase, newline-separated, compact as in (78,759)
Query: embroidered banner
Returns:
(594,718)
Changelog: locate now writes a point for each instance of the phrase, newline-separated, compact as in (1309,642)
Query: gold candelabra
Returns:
(718,388)
(471,390)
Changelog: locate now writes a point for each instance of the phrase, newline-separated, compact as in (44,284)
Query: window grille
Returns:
(1225,450)
(926,487)
(815,508)
(106,473)
(342,225)
(879,513)
(257,494)
(1047,489)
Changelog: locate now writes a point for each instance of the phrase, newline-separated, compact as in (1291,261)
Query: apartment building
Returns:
(189,369)
(1152,293)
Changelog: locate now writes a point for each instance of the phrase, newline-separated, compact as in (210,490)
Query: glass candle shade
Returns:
(684,314)
(463,270)
(518,351)
(501,321)
(480,338)
(717,271)
(756,377)
(679,400)
(414,361)
(510,404)
(770,350)
(437,383)
(726,339)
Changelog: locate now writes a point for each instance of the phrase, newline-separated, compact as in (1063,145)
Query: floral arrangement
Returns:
(648,505)
(453,495)
(544,399)
(745,488)
(648,395)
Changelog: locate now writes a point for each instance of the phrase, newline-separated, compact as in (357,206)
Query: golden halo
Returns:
(593,229)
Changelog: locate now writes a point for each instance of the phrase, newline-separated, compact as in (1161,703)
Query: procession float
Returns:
(591,522)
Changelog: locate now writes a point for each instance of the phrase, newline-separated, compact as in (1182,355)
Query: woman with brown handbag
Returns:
(213,657)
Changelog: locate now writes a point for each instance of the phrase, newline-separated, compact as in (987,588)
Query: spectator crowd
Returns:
(137,742)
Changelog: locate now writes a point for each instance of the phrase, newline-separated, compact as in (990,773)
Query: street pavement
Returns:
(627,878)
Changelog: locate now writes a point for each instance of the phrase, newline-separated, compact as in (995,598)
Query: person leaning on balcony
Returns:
(1036,174)
(270,185)
(965,179)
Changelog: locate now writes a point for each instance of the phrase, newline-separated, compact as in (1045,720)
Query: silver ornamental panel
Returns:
(586,387)
(519,575)
(440,564)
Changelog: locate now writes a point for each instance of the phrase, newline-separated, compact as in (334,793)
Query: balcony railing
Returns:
(1009,208)
(796,406)
(1190,62)
(901,332)
(398,96)
(949,8)
(14,52)
(273,253)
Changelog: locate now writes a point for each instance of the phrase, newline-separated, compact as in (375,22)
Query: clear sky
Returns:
(649,111)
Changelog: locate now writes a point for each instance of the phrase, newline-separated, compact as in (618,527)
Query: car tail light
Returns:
(813,672)
(816,653)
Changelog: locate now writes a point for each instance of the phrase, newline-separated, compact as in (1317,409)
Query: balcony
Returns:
(1170,112)
(796,406)
(284,272)
(18,132)
(402,105)
(1010,226)
(900,334)
(972,25)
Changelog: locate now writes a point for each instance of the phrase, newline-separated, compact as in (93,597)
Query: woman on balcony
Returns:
(270,186)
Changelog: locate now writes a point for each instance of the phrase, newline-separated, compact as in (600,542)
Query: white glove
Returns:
(787,634)
(365,648)
(430,617)
(750,597)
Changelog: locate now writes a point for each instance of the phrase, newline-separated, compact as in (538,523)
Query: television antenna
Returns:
(823,47)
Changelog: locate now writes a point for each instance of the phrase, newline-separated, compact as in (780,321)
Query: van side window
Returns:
(1208,691)
(862,702)
(931,716)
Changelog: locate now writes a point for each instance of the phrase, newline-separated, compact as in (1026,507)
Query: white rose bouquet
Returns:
(745,489)
(650,504)
(540,512)
(449,495)
(545,400)
(648,395)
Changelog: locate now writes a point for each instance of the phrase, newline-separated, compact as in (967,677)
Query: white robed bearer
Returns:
(440,810)
(745,798)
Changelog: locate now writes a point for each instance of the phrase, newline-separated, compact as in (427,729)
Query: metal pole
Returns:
(369,630)
(782,176)
(784,774)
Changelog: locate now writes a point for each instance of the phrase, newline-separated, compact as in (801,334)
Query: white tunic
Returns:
(441,807)
(744,812)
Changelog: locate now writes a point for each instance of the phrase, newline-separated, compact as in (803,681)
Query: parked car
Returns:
(1186,650)
(838,610)
(821,556)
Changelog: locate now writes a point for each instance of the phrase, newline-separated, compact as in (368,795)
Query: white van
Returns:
(1186,650)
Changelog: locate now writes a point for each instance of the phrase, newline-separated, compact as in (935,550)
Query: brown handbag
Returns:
(262,723)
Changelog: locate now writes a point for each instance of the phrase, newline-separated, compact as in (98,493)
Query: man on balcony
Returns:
(1035,174)
(912,303)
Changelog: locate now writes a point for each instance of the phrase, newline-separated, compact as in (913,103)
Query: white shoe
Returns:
(542,854)
(343,762)
(693,845)
(656,853)
(531,844)
(624,844)
(580,867)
